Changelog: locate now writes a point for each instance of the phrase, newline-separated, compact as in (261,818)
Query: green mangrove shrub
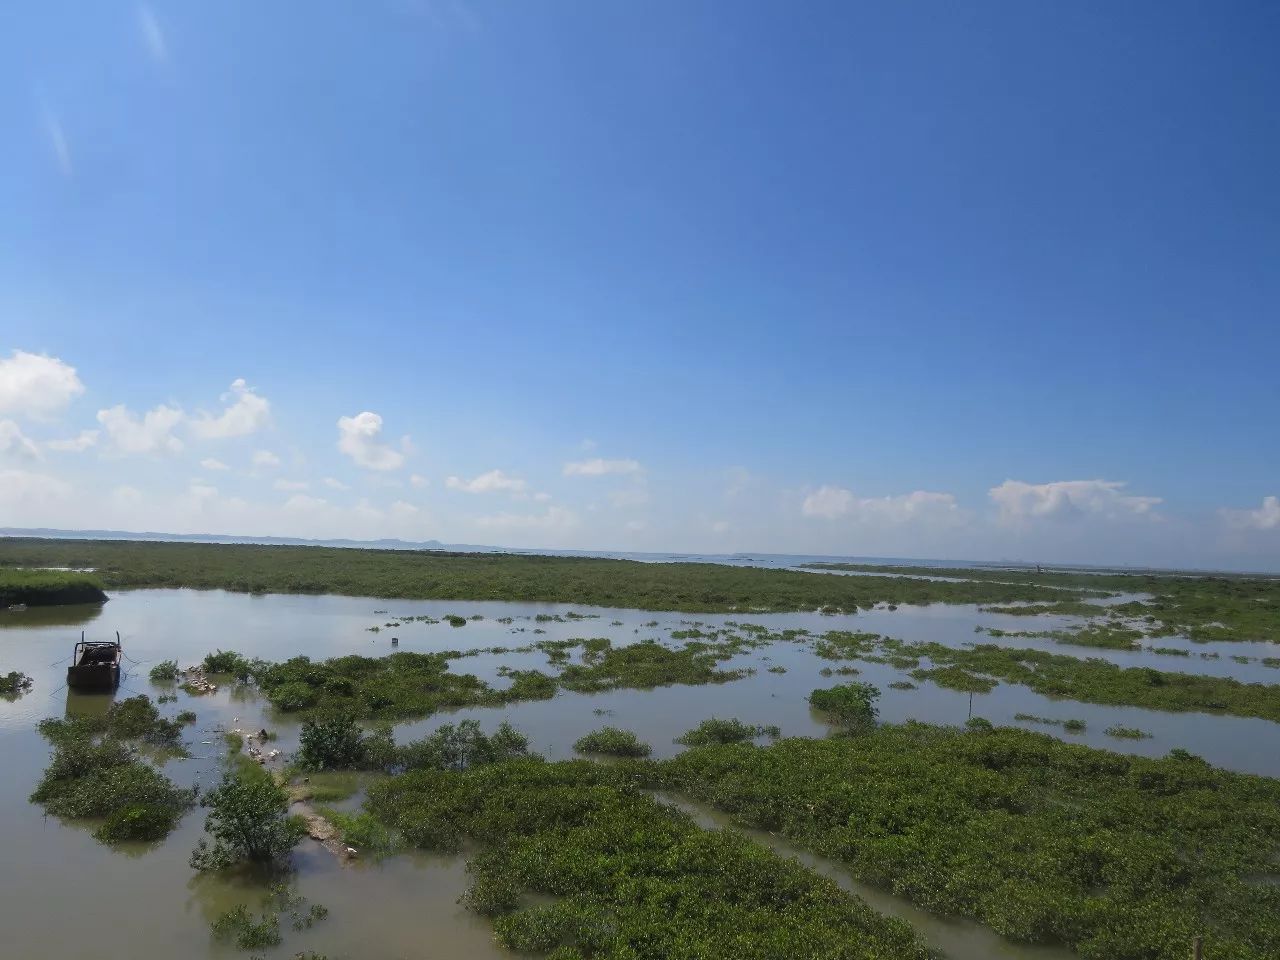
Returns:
(612,742)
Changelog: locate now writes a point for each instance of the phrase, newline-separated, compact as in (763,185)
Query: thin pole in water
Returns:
(970,704)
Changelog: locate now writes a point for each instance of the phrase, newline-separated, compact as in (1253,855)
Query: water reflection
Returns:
(73,615)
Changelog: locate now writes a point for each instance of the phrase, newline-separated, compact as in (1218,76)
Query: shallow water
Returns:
(148,904)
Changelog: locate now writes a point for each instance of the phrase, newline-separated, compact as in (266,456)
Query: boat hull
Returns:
(98,677)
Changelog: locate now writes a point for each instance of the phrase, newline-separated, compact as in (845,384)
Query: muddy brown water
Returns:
(66,895)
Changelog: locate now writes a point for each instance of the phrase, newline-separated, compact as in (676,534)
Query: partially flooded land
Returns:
(720,762)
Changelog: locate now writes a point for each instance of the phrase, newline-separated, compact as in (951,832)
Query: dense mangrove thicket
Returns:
(47,588)
(1119,857)
(629,876)
(426,575)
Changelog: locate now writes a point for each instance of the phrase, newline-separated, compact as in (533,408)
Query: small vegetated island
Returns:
(47,588)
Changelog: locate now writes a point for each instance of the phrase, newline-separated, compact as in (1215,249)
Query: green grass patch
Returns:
(47,588)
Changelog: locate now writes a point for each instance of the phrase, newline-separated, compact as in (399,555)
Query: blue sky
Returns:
(993,280)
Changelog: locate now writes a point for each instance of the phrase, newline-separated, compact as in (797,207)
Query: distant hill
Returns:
(384,544)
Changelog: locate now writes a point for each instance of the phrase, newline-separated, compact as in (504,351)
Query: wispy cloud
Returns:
(335,484)
(836,503)
(152,33)
(58,142)
(283,484)
(77,444)
(598,467)
(266,460)
(209,463)
(491,482)
(15,444)
(1019,502)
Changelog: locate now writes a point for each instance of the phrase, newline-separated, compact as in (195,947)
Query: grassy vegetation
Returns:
(1095,681)
(477,576)
(1203,608)
(47,588)
(610,741)
(627,876)
(1118,857)
(1110,636)
(95,773)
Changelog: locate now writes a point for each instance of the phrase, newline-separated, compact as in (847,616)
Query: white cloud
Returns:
(541,497)
(719,526)
(491,482)
(418,480)
(283,484)
(14,443)
(334,484)
(153,433)
(76,444)
(32,384)
(360,438)
(246,413)
(598,467)
(828,502)
(209,463)
(401,509)
(834,503)
(58,141)
(152,34)
(302,502)
(1019,501)
(266,460)
(1266,517)
(555,518)
(634,526)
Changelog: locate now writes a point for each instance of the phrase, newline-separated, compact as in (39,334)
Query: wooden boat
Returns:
(95,665)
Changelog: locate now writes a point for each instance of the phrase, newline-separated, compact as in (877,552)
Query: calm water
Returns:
(147,904)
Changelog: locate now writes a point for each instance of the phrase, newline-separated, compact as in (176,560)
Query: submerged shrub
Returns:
(94,773)
(613,742)
(227,661)
(852,704)
(239,927)
(13,682)
(715,730)
(166,671)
